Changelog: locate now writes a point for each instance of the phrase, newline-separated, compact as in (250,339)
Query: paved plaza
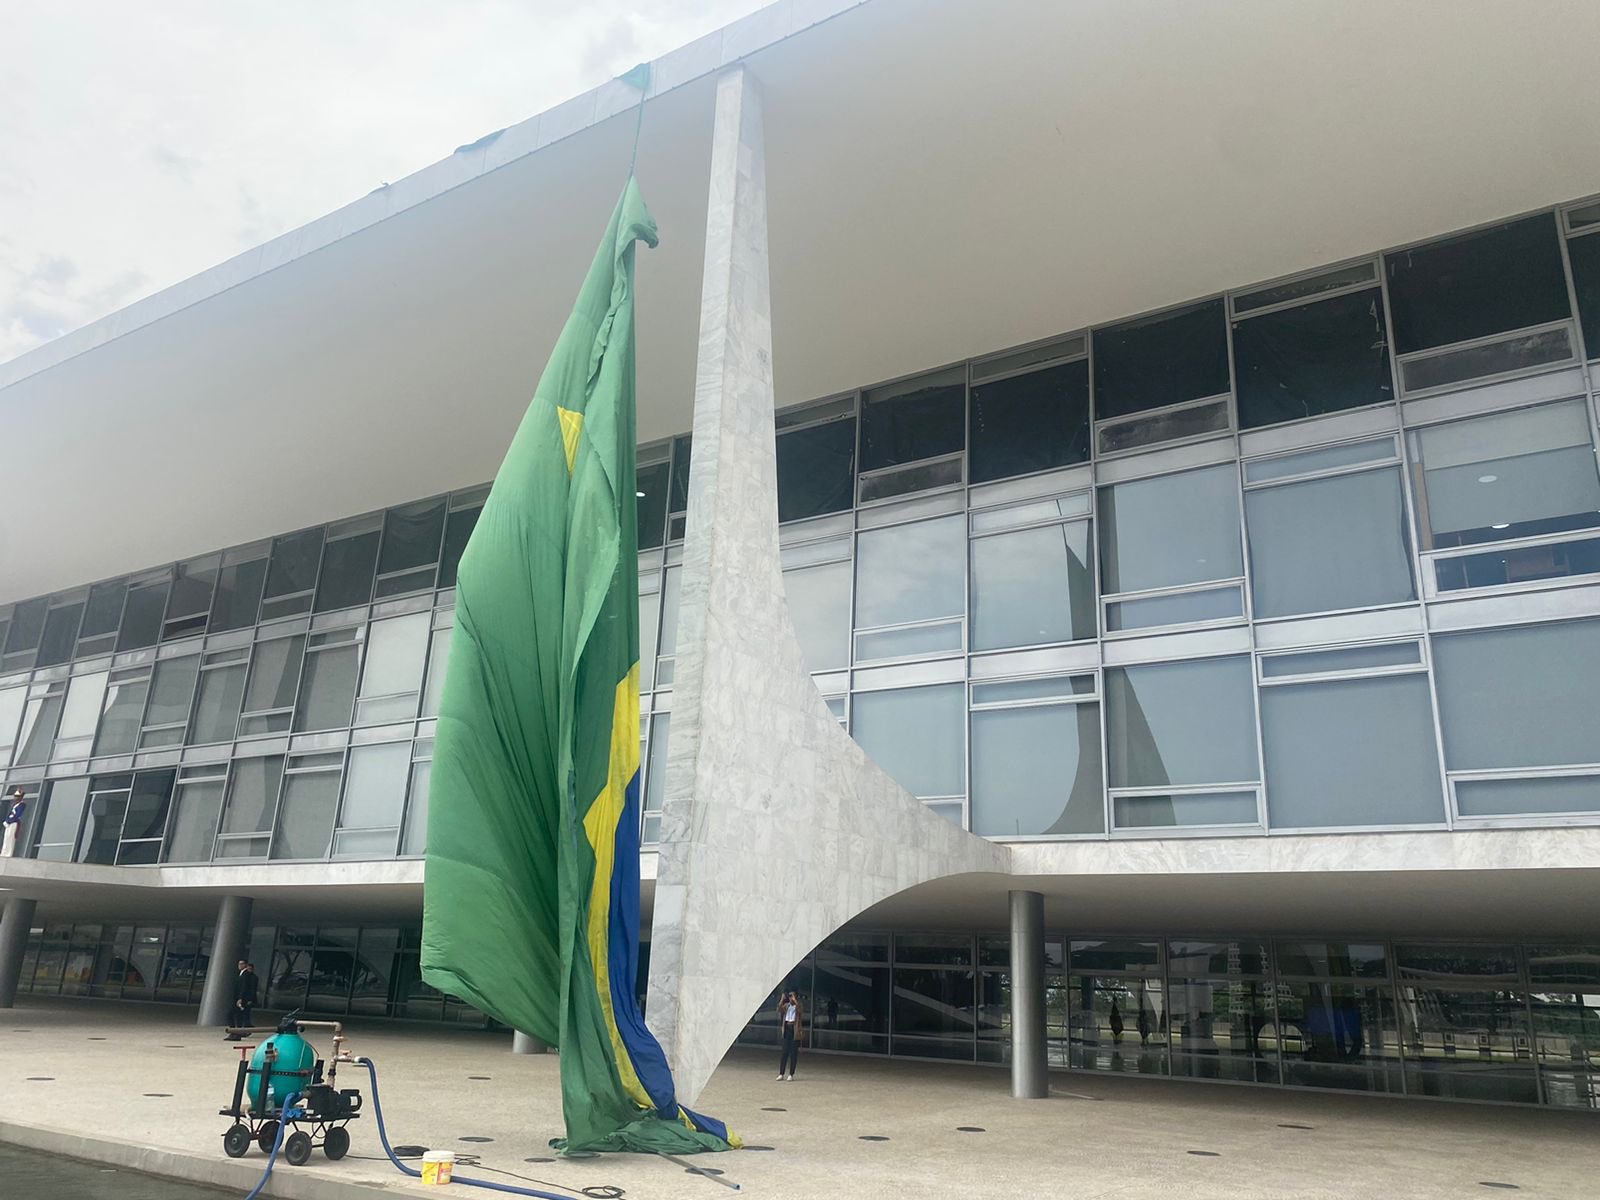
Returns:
(140,1087)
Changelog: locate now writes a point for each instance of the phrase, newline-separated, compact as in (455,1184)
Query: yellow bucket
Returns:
(437,1166)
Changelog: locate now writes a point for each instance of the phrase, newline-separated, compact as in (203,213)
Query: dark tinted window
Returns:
(190,601)
(60,635)
(347,569)
(1030,422)
(104,610)
(652,489)
(411,536)
(27,625)
(1314,359)
(147,806)
(141,616)
(456,532)
(816,470)
(1585,255)
(1165,359)
(678,499)
(1116,954)
(238,598)
(907,422)
(1508,277)
(293,570)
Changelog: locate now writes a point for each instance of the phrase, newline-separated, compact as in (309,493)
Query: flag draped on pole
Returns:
(531,905)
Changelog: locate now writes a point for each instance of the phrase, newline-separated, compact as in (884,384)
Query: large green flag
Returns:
(531,904)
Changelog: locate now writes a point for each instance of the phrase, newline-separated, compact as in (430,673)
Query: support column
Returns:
(1030,1073)
(228,945)
(526,1043)
(14,926)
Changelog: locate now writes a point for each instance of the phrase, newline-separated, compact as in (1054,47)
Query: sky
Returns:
(141,143)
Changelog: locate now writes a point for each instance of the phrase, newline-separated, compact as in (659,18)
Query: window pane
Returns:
(305,821)
(63,814)
(655,790)
(1032,586)
(1037,770)
(1181,723)
(1160,360)
(194,822)
(819,607)
(1328,544)
(1518,564)
(238,598)
(252,795)
(1353,752)
(123,714)
(1030,422)
(347,570)
(397,649)
(1489,1025)
(1528,797)
(1230,959)
(1470,286)
(327,688)
(274,677)
(1215,1027)
(415,840)
(1356,658)
(457,532)
(1325,458)
(411,536)
(816,470)
(102,827)
(216,712)
(1336,1035)
(678,484)
(1516,352)
(1509,475)
(1584,254)
(1315,359)
(39,719)
(910,572)
(1178,608)
(910,421)
(60,635)
(652,497)
(171,691)
(80,715)
(141,616)
(190,601)
(916,735)
(103,614)
(1168,426)
(439,656)
(670,582)
(12,701)
(1204,808)
(934,1015)
(1170,530)
(912,641)
(375,790)
(1520,697)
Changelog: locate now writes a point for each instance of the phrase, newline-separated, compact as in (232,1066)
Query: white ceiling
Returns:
(945,179)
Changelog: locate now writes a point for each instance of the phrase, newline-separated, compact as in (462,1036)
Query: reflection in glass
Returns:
(819,608)
(102,827)
(196,807)
(63,814)
(1170,530)
(171,692)
(915,734)
(305,818)
(850,1010)
(391,680)
(39,718)
(1566,1033)
(1467,1045)
(216,711)
(1335,1035)
(1181,723)
(1032,587)
(79,715)
(1037,771)
(348,566)
(934,1015)
(374,795)
(126,692)
(1216,1027)
(910,572)
(253,795)
(328,683)
(274,678)
(1117,1024)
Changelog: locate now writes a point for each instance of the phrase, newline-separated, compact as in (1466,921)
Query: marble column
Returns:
(229,943)
(776,827)
(15,923)
(1030,1064)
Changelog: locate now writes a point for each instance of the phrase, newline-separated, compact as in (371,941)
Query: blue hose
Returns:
(284,1116)
(383,1136)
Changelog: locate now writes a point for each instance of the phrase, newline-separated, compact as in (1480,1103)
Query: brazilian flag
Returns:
(531,904)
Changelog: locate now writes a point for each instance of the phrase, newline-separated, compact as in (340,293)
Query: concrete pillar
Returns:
(14,926)
(1030,1070)
(229,944)
(526,1043)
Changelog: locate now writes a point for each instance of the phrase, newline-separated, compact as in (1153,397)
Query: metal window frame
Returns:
(1567,325)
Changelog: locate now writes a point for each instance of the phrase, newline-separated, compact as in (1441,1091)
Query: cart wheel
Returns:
(297,1148)
(337,1143)
(236,1141)
(266,1135)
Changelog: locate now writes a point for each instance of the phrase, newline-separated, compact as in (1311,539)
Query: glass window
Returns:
(1176,608)
(1230,959)
(816,470)
(671,580)
(310,799)
(293,573)
(1353,752)
(649,626)
(79,716)
(197,803)
(102,829)
(1584,254)
(141,616)
(216,710)
(1030,422)
(12,701)
(146,820)
(101,617)
(190,602)
(63,816)
(1183,723)
(1467,1045)
(1518,564)
(1514,474)
(1339,960)
(1476,284)
(933,949)
(457,532)
(23,634)
(910,572)
(439,657)
(252,801)
(1215,1027)
(1336,1035)
(171,692)
(1190,421)
(123,715)
(1117,1025)
(1522,697)
(328,681)
(39,718)
(274,677)
(1537,797)
(348,565)
(1185,809)
(934,1014)
(819,608)
(1326,544)
(60,635)
(1037,771)
(238,599)
(1324,458)
(678,485)
(411,537)
(655,784)
(1315,359)
(916,419)
(1159,360)
(1032,586)
(415,839)
(391,680)
(1170,530)
(652,480)
(916,735)
(374,799)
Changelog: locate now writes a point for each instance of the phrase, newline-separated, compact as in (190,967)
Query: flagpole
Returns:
(639,78)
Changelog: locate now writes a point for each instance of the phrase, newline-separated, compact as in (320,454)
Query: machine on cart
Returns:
(284,1067)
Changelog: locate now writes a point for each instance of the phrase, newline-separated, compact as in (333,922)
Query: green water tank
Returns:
(291,1071)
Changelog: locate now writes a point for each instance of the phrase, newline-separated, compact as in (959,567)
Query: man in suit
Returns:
(245,994)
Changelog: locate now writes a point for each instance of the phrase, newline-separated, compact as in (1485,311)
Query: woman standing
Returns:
(790,1020)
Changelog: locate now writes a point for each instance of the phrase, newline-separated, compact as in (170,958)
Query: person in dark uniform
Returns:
(245,994)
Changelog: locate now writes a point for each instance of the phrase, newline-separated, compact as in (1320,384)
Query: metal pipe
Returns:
(1030,1074)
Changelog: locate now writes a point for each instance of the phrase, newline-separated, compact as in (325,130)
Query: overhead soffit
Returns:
(944,180)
